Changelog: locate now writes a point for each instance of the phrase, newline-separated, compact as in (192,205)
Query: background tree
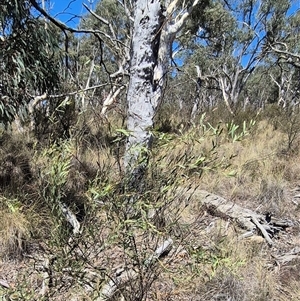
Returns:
(230,45)
(113,24)
(283,54)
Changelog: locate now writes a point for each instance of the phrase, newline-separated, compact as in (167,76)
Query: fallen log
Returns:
(246,219)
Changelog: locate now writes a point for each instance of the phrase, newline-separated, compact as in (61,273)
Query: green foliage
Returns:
(53,178)
(217,259)
(15,162)
(114,236)
(24,291)
(29,58)
(232,130)
(58,162)
(115,34)
(196,151)
(233,42)
(54,120)
(123,226)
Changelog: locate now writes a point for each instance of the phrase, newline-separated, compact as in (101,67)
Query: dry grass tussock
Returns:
(250,166)
(14,228)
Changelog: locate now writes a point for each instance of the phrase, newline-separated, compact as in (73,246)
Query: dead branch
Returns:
(88,83)
(123,275)
(101,19)
(46,278)
(289,256)
(262,229)
(111,98)
(70,217)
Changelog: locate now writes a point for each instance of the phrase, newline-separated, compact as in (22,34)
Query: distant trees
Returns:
(283,50)
(230,40)
(127,50)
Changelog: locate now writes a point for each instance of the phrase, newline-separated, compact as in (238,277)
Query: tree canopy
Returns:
(231,43)
(30,58)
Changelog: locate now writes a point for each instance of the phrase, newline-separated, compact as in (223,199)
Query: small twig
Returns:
(111,98)
(46,278)
(246,235)
(101,20)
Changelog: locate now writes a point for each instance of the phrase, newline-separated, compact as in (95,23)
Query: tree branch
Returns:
(111,98)
(287,54)
(127,11)
(124,276)
(179,24)
(59,24)
(37,99)
(101,19)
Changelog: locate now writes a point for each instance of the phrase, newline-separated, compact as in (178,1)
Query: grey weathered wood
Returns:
(70,217)
(263,230)
(289,256)
(247,219)
(4,283)
(246,235)
(165,247)
(124,275)
(227,209)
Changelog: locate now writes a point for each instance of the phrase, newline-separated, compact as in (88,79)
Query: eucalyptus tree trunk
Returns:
(155,27)
(143,92)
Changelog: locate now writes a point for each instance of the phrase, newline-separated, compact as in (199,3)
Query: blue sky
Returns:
(68,11)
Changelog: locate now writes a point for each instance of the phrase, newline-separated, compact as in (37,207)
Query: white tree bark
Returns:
(142,101)
(155,28)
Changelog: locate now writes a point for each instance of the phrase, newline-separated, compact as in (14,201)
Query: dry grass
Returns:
(208,261)
(14,228)
(255,172)
(212,265)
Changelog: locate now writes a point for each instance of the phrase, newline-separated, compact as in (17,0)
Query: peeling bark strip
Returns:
(4,283)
